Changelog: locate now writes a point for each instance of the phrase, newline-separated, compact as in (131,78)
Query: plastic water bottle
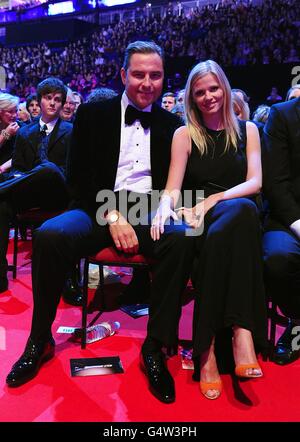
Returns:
(98,331)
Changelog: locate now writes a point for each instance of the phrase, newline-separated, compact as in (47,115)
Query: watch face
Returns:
(113,217)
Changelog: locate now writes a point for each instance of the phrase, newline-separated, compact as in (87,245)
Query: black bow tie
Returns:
(133,114)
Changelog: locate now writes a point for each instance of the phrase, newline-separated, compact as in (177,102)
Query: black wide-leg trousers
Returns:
(44,187)
(63,240)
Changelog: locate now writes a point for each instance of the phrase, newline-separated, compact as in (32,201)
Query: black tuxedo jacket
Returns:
(25,154)
(95,148)
(281,162)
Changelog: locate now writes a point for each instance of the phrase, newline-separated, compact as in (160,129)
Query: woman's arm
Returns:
(181,147)
(251,186)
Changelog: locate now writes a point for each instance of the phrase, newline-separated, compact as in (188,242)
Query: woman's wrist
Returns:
(5,134)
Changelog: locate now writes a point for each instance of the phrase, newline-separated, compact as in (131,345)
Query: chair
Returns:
(106,257)
(29,219)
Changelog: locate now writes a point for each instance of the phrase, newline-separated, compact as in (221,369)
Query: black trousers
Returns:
(61,241)
(44,187)
(282,269)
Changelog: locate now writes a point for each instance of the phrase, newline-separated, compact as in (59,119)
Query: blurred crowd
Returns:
(233,34)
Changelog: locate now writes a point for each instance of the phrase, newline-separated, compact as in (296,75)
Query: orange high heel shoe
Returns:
(206,386)
(241,370)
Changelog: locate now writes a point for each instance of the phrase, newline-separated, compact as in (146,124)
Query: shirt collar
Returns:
(49,125)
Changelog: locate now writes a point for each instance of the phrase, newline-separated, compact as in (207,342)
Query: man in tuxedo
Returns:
(37,177)
(281,165)
(122,145)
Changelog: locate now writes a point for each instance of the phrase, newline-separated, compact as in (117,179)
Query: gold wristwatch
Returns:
(112,217)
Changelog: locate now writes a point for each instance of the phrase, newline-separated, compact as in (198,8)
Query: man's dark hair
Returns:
(51,85)
(100,94)
(29,99)
(141,47)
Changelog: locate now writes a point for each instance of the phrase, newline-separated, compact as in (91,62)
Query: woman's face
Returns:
(208,96)
(8,116)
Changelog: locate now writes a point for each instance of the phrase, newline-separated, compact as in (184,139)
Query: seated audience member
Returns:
(240,106)
(274,97)
(138,289)
(68,110)
(100,94)
(281,240)
(242,94)
(260,117)
(23,114)
(33,107)
(178,110)
(168,101)
(180,97)
(37,178)
(220,154)
(293,92)
(107,137)
(261,114)
(78,99)
(8,129)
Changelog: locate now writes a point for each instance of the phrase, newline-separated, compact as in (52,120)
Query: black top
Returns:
(217,170)
(6,150)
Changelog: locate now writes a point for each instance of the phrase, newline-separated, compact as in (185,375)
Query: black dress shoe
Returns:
(161,383)
(72,293)
(284,353)
(27,367)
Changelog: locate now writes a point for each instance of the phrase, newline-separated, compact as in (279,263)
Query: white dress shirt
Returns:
(134,167)
(50,125)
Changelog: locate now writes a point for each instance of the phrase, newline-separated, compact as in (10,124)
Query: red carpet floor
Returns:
(55,396)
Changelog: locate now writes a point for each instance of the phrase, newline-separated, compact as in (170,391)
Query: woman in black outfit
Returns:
(221,155)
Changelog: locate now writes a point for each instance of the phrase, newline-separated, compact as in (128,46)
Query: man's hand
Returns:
(123,234)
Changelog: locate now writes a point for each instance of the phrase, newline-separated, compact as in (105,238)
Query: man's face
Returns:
(143,79)
(77,101)
(68,109)
(51,105)
(168,103)
(34,108)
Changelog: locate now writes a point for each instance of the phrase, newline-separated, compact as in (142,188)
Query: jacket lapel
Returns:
(33,136)
(58,131)
(109,138)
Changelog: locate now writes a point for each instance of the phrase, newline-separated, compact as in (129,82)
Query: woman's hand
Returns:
(163,213)
(12,128)
(194,217)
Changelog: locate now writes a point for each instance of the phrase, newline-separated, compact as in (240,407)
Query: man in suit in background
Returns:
(120,145)
(281,165)
(37,177)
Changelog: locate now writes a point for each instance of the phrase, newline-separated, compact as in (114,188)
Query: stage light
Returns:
(117,2)
(60,8)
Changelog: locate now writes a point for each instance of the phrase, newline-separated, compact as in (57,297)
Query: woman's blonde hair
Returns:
(240,107)
(194,120)
(8,101)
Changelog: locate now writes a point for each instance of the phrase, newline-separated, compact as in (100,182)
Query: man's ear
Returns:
(123,75)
